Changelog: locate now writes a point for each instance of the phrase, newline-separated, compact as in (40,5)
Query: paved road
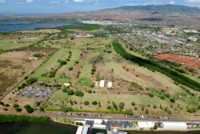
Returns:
(81,116)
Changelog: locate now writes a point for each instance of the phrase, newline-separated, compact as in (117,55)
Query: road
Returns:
(81,116)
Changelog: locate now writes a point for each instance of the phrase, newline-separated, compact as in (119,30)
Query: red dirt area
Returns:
(190,62)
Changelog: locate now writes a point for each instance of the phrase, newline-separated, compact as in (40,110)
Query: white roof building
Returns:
(192,38)
(67,84)
(146,124)
(102,83)
(85,129)
(79,130)
(174,125)
(99,126)
(109,84)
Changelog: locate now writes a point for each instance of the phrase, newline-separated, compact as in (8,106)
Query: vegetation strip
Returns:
(154,66)
(23,118)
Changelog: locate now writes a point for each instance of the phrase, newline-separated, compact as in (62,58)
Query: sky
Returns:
(61,6)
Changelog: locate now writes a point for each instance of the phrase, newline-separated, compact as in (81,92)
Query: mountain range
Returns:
(164,9)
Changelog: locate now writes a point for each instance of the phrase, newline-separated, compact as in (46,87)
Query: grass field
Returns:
(152,65)
(136,89)
(139,87)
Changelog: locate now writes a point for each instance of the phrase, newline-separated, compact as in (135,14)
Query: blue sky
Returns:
(59,6)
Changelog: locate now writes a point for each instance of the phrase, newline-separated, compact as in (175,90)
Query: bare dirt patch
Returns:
(14,66)
(190,62)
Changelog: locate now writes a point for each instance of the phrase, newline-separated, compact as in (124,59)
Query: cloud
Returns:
(79,0)
(172,2)
(29,1)
(2,1)
(82,1)
(24,1)
(193,1)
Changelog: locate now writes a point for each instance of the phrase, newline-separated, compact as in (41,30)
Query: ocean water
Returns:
(17,25)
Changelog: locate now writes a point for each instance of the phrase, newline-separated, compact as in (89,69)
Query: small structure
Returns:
(67,84)
(170,30)
(115,131)
(85,129)
(104,84)
(191,31)
(109,84)
(79,130)
(193,38)
(146,124)
(83,35)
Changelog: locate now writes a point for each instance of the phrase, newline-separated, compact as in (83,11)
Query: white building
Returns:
(99,126)
(85,129)
(109,84)
(67,84)
(146,124)
(192,38)
(79,130)
(104,83)
(174,125)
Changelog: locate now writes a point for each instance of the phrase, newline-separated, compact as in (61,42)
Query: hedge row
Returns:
(23,119)
(154,66)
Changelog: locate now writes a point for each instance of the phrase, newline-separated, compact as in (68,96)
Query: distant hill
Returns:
(162,9)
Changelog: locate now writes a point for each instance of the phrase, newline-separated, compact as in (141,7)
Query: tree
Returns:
(62,62)
(79,93)
(31,81)
(17,107)
(133,103)
(121,105)
(29,109)
(68,91)
(94,103)
(87,103)
(115,105)
(172,99)
(68,109)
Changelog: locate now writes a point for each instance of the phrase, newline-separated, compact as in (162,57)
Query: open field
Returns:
(79,74)
(15,65)
(19,40)
(132,85)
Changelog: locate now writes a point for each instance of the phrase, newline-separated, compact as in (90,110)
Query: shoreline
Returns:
(36,120)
